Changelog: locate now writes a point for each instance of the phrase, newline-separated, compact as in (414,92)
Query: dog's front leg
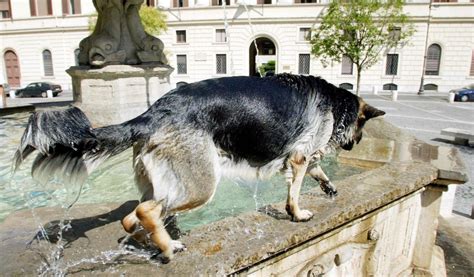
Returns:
(326,185)
(295,172)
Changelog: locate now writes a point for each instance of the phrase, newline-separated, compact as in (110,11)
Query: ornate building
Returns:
(39,40)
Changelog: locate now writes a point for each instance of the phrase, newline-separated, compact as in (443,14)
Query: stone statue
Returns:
(119,37)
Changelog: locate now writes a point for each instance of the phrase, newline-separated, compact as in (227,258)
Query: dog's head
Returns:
(365,113)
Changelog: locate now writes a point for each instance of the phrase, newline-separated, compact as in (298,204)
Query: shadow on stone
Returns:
(78,227)
(273,212)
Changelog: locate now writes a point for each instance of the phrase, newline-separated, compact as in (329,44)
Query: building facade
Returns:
(206,39)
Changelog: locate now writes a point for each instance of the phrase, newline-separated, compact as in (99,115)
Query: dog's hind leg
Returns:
(150,214)
(182,166)
(131,223)
(297,165)
(326,185)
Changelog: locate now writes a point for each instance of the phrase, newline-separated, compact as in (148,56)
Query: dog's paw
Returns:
(177,246)
(302,215)
(328,188)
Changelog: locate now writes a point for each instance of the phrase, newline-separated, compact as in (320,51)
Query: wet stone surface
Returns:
(226,246)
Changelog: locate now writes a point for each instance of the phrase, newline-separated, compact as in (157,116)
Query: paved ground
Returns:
(425,116)
(64,96)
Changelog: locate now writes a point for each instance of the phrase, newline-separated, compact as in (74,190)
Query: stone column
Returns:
(427,229)
(117,93)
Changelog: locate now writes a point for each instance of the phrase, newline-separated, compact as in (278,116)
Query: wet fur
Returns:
(192,136)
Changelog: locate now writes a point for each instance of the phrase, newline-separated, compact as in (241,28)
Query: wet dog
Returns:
(199,132)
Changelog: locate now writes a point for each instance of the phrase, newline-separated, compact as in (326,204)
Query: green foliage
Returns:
(266,67)
(153,20)
(361,30)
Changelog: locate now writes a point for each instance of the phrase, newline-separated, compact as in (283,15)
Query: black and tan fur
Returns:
(192,136)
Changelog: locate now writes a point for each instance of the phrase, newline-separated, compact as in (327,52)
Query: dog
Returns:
(197,133)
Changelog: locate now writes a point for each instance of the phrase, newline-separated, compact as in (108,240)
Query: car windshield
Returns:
(471,86)
(31,85)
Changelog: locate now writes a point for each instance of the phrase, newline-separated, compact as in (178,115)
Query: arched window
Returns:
(430,87)
(48,63)
(347,86)
(433,59)
(390,86)
(76,56)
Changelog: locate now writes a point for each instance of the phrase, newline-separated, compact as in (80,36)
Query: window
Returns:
(395,33)
(305,1)
(150,3)
(220,2)
(221,35)
(41,7)
(71,6)
(262,2)
(391,67)
(181,36)
(221,64)
(48,63)
(390,87)
(445,1)
(180,3)
(303,64)
(472,64)
(347,86)
(5,11)
(305,34)
(433,59)
(430,87)
(346,65)
(181,64)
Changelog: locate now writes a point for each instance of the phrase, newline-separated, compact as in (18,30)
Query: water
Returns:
(113,182)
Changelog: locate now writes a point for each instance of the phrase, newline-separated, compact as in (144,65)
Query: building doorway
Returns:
(12,67)
(266,57)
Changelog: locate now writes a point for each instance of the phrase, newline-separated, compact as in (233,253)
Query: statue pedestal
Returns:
(117,93)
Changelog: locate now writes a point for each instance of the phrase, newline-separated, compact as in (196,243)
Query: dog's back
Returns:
(253,119)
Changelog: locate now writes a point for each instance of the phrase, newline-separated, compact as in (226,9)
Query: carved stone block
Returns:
(117,93)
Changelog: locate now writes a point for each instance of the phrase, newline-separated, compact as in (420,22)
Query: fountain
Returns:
(383,222)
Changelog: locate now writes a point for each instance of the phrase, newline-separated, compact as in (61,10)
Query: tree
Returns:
(360,30)
(267,68)
(153,20)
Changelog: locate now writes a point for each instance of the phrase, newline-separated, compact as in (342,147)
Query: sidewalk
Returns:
(28,104)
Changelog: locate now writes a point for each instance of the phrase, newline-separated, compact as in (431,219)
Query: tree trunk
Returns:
(358,80)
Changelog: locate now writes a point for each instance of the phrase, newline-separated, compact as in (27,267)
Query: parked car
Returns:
(464,94)
(39,89)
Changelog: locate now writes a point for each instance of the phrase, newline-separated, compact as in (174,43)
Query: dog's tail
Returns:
(69,148)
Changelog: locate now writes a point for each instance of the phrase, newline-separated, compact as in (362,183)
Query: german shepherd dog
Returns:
(199,132)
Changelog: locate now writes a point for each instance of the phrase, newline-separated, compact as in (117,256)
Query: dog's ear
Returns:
(371,112)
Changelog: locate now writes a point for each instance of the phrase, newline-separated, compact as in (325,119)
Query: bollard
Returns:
(50,93)
(12,94)
(451,97)
(3,98)
(394,95)
(374,90)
